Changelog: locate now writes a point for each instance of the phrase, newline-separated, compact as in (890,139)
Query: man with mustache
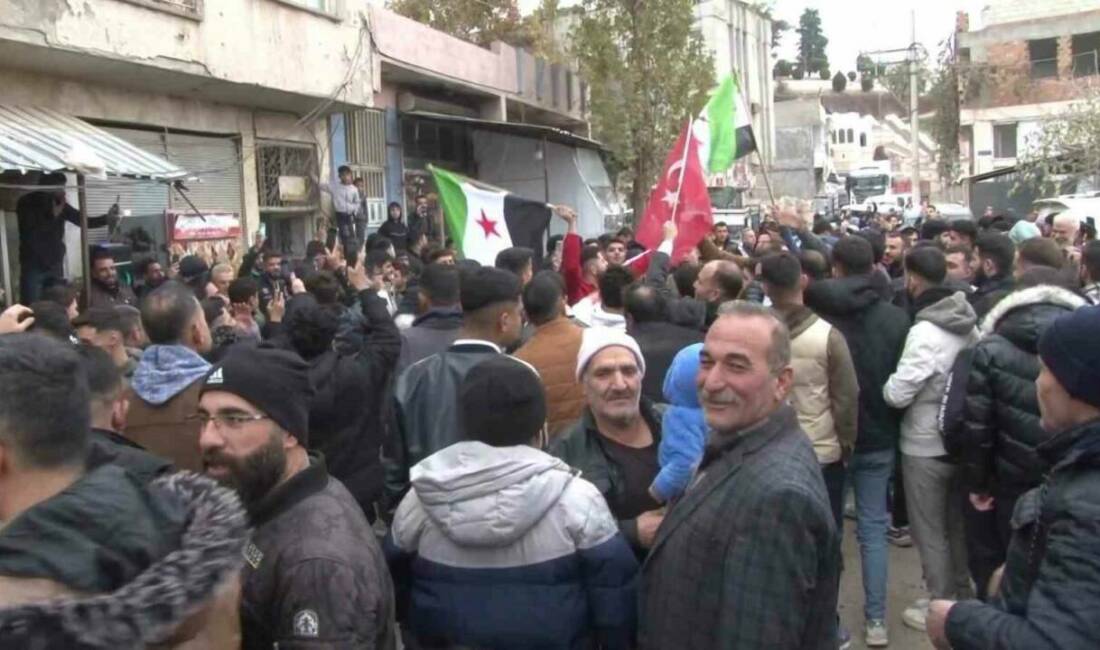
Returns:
(749,556)
(315,574)
(615,442)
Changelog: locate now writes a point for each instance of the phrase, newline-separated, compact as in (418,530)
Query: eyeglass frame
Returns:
(231,422)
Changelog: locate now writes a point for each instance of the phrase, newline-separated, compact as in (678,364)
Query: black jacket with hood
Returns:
(875,331)
(126,565)
(1001,415)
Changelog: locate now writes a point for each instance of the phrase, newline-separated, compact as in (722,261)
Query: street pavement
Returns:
(903,587)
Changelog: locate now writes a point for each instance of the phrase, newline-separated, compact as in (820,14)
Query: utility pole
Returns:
(914,117)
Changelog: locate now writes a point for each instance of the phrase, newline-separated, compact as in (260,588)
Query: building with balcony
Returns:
(1027,63)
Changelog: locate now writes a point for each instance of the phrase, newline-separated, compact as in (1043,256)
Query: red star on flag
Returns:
(490,227)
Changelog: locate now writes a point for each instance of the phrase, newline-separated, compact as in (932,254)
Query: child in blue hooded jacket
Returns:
(683,429)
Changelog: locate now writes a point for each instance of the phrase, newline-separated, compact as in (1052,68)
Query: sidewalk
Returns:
(903,588)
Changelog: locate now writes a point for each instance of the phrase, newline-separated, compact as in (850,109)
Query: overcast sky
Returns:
(861,25)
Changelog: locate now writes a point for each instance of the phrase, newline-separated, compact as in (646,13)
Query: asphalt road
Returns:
(903,587)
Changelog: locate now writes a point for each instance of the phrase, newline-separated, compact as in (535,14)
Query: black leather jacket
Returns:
(425,412)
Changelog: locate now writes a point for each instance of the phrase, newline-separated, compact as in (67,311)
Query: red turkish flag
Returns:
(682,175)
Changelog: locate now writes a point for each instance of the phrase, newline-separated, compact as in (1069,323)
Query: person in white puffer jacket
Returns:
(944,326)
(499,545)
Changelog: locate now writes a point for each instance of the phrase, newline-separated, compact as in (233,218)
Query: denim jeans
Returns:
(32,280)
(869,474)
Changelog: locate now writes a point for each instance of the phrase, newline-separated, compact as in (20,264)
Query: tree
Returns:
(823,74)
(866,82)
(812,43)
(477,21)
(779,28)
(896,80)
(1064,150)
(852,76)
(840,82)
(943,95)
(783,68)
(648,71)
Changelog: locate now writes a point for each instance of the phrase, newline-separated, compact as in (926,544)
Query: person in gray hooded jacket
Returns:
(500,545)
(944,326)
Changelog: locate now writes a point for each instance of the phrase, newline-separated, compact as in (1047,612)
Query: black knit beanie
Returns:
(1069,349)
(503,402)
(275,381)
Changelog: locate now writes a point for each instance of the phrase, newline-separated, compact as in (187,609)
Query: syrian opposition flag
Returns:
(724,129)
(484,221)
(680,196)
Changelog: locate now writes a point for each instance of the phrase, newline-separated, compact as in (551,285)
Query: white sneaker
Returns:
(916,615)
(875,634)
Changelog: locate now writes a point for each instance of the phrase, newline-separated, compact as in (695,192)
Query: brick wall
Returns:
(1004,78)
(1009,11)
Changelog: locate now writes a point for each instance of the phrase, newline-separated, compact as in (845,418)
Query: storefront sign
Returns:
(185,225)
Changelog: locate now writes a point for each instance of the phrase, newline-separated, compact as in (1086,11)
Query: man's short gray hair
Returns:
(779,353)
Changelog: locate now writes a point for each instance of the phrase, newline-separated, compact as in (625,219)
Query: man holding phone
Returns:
(42,215)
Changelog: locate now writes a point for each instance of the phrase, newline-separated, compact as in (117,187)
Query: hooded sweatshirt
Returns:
(945,325)
(683,427)
(165,371)
(507,547)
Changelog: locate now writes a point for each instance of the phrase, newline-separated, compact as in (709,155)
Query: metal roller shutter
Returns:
(216,163)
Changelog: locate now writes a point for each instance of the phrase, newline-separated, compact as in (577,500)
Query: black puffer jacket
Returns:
(875,331)
(1049,595)
(1001,427)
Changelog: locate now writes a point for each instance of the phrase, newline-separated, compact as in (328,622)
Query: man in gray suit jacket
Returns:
(749,556)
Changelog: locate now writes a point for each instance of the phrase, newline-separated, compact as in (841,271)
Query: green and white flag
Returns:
(484,221)
(724,129)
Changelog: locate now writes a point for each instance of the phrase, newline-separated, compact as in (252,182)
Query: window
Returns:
(863,139)
(365,135)
(1086,51)
(1004,140)
(832,135)
(324,8)
(1043,56)
(851,136)
(287,177)
(185,8)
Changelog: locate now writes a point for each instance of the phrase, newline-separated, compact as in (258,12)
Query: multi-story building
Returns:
(236,92)
(260,100)
(739,37)
(498,114)
(1028,62)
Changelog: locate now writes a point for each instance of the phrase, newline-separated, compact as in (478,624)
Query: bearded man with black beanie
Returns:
(314,572)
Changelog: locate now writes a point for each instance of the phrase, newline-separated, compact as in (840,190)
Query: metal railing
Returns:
(1044,68)
(1086,64)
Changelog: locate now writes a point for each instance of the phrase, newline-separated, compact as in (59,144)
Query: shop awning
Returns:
(535,131)
(40,139)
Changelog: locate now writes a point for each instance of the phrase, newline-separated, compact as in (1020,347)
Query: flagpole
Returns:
(759,156)
(683,167)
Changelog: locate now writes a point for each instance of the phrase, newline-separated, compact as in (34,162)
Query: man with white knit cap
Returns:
(615,442)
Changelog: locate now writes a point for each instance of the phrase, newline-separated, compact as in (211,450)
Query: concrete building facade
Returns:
(1027,63)
(261,100)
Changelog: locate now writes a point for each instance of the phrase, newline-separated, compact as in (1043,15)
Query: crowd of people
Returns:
(590,446)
